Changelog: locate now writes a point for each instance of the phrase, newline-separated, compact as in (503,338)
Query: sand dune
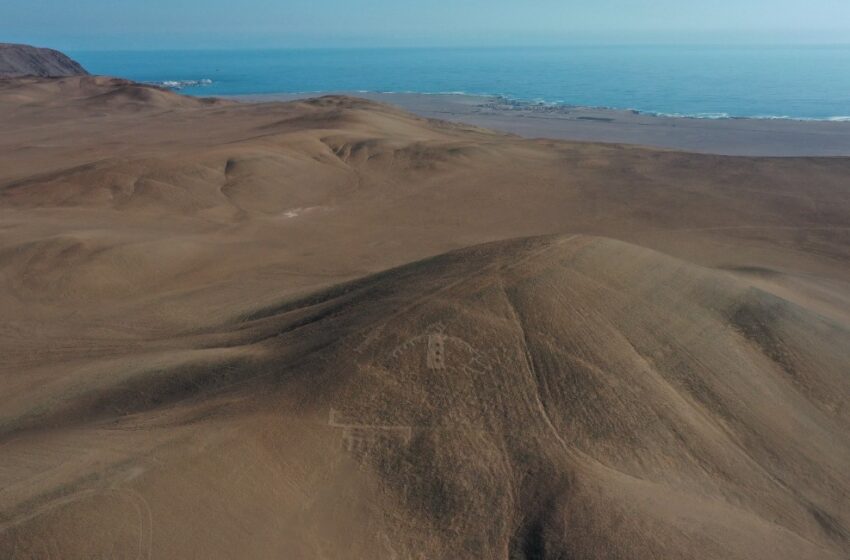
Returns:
(331,329)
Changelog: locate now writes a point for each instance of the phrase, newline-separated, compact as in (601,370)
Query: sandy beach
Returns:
(740,137)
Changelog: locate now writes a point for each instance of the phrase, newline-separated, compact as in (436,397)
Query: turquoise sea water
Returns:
(807,82)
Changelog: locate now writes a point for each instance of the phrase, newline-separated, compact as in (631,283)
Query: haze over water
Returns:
(807,82)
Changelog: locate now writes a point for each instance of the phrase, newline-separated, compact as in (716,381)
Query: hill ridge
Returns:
(24,60)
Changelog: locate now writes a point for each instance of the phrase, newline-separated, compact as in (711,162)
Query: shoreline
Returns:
(731,136)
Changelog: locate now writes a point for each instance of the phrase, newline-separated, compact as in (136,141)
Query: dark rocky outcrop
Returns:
(25,60)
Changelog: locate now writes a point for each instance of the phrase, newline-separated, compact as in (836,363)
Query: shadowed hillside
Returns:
(24,60)
(329,329)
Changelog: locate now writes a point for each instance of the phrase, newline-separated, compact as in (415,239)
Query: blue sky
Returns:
(154,24)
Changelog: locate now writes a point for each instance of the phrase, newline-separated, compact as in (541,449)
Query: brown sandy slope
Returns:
(734,137)
(213,348)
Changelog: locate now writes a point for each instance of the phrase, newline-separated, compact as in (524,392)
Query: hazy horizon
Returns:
(154,25)
(235,46)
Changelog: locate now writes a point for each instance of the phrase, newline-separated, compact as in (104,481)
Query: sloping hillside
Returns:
(24,60)
(330,329)
(539,398)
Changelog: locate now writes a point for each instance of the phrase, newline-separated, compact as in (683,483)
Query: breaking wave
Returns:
(182,84)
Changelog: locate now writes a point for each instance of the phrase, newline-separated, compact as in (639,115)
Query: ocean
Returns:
(801,82)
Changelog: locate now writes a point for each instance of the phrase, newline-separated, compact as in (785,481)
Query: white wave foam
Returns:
(549,104)
(707,116)
(181,84)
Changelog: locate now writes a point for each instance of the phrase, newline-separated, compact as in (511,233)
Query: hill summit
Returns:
(25,60)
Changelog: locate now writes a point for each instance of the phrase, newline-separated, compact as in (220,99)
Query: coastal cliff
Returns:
(25,60)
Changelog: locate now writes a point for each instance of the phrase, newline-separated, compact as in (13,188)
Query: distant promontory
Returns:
(25,60)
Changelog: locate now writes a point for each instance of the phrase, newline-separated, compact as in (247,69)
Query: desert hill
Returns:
(330,329)
(25,60)
(538,398)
